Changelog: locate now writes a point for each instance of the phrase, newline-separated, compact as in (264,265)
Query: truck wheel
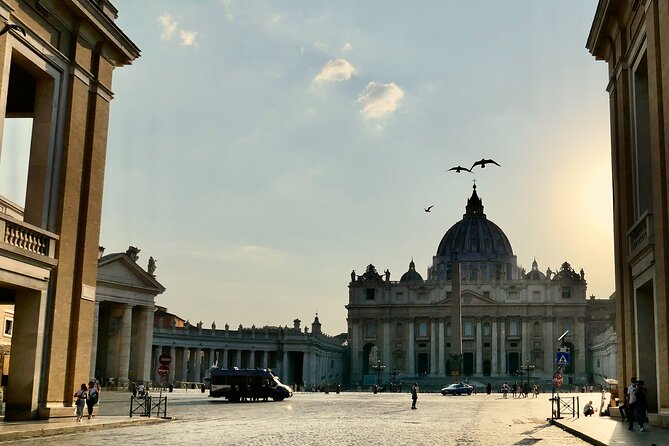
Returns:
(277,398)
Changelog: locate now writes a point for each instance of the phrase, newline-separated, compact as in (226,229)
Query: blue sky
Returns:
(261,150)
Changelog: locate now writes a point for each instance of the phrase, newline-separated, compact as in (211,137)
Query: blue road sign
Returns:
(562,358)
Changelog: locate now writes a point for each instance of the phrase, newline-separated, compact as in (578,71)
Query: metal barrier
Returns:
(160,405)
(141,405)
(563,406)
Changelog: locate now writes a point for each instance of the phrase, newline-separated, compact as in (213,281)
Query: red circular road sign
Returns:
(165,359)
(163,370)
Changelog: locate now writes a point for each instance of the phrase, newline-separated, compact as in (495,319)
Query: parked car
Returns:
(457,389)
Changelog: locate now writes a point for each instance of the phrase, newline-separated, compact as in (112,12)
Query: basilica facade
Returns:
(475,313)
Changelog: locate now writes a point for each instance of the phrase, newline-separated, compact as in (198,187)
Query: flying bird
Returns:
(459,169)
(428,209)
(9,26)
(483,162)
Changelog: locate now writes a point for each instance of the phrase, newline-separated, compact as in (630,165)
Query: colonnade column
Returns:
(225,359)
(411,359)
(94,342)
(578,359)
(479,348)
(265,359)
(252,359)
(125,338)
(442,351)
(184,365)
(284,367)
(494,370)
(173,364)
(144,344)
(238,359)
(157,351)
(307,374)
(198,364)
(502,347)
(433,347)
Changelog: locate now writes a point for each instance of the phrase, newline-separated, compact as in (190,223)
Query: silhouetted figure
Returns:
(428,209)
(483,162)
(459,169)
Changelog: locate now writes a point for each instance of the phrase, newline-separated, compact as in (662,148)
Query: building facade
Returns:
(56,68)
(633,38)
(477,313)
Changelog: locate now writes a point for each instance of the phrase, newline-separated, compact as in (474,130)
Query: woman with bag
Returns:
(82,396)
(93,397)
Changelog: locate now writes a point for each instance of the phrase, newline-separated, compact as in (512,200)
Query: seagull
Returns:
(428,209)
(459,169)
(9,26)
(483,162)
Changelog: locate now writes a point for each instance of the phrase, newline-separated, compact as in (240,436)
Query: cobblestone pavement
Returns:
(331,419)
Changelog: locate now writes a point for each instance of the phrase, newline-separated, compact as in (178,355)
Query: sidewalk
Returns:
(612,431)
(17,430)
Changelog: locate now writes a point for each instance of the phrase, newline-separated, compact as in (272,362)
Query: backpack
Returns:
(93,397)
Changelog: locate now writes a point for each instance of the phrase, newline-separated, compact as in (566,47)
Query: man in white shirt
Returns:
(631,407)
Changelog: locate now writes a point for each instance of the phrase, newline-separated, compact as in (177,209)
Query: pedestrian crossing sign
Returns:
(562,359)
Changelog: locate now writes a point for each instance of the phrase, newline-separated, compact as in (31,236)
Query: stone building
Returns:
(299,356)
(475,313)
(56,67)
(633,38)
(123,318)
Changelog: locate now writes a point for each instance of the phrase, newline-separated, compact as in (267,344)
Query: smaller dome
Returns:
(412,275)
(535,274)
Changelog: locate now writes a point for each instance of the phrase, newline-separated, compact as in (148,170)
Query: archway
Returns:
(366,353)
(514,362)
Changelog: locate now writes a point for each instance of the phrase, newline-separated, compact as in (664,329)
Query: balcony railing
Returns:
(27,239)
(640,235)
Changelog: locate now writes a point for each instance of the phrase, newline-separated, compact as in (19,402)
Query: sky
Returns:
(261,150)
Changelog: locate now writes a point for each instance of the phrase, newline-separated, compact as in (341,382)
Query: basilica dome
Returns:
(412,275)
(481,247)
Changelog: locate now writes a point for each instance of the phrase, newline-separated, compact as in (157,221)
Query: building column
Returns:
(125,339)
(502,348)
(252,359)
(550,346)
(198,365)
(225,359)
(356,368)
(94,342)
(386,343)
(307,372)
(238,359)
(479,348)
(579,337)
(442,351)
(284,367)
(411,356)
(494,366)
(265,359)
(433,347)
(184,365)
(525,341)
(145,342)
(157,351)
(173,364)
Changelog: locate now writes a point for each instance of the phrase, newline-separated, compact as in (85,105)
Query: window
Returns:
(486,329)
(537,329)
(370,330)
(370,293)
(9,326)
(449,329)
(513,328)
(643,190)
(399,330)
(399,297)
(566,292)
(468,329)
(422,329)
(566,325)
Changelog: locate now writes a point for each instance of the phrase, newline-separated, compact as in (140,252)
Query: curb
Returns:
(60,430)
(576,433)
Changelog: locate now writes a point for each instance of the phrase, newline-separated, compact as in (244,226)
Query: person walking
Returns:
(81,396)
(514,389)
(505,389)
(631,405)
(414,395)
(641,403)
(488,388)
(93,397)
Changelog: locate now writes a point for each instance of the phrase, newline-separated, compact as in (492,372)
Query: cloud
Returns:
(335,70)
(169,26)
(347,47)
(187,37)
(380,100)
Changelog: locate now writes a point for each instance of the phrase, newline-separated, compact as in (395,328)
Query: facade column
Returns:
(579,357)
(284,367)
(411,356)
(225,359)
(125,338)
(265,359)
(94,343)
(479,348)
(252,359)
(433,347)
(525,341)
(157,351)
(184,365)
(198,365)
(442,346)
(494,366)
(386,343)
(356,369)
(238,358)
(307,374)
(173,365)
(144,344)
(502,348)
(550,346)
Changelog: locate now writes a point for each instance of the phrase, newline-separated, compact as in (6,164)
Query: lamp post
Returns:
(528,368)
(378,367)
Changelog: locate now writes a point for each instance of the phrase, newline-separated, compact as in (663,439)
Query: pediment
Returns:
(120,270)
(470,297)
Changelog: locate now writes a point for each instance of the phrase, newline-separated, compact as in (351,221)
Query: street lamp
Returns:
(378,367)
(528,368)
